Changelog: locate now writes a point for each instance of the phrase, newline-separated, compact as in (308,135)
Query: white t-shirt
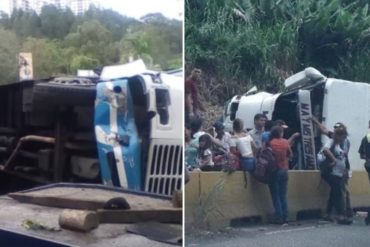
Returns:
(244,145)
(206,153)
(339,154)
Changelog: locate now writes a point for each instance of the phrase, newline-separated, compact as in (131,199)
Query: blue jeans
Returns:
(278,189)
(248,164)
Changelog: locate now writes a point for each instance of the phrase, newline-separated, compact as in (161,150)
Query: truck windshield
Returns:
(162,102)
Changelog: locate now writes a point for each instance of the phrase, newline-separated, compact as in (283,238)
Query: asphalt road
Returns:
(314,233)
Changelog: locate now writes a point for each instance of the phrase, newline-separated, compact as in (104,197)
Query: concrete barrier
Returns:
(213,199)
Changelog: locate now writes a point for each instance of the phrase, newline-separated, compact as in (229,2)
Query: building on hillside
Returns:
(78,7)
(38,4)
(25,5)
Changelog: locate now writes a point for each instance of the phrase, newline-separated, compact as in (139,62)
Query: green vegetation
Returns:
(61,42)
(240,43)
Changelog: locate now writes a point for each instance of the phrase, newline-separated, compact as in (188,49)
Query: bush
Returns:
(240,43)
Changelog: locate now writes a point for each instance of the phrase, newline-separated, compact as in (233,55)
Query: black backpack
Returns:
(266,166)
(325,166)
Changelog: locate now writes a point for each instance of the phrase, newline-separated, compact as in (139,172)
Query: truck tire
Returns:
(61,94)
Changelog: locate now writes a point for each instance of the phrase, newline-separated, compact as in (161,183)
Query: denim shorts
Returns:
(248,164)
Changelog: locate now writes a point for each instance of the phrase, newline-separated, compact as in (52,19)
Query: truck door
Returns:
(117,136)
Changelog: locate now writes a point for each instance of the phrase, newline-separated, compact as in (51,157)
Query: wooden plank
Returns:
(86,198)
(165,215)
(58,202)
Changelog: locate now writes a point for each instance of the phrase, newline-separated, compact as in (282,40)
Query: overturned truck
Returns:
(123,129)
(309,93)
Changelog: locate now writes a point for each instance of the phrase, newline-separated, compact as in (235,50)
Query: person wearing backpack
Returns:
(334,174)
(364,151)
(345,146)
(279,182)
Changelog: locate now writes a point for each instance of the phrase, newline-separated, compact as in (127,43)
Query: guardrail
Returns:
(214,199)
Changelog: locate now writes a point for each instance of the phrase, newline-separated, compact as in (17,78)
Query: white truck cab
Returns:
(309,93)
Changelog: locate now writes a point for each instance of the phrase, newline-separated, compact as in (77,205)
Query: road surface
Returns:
(311,233)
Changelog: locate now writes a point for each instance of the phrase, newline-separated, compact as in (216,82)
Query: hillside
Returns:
(61,42)
(243,43)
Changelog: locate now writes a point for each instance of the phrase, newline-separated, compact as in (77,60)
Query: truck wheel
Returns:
(62,94)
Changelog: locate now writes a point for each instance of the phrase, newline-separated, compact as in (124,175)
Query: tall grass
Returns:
(240,43)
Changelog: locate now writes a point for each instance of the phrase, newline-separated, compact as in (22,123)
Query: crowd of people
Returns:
(215,149)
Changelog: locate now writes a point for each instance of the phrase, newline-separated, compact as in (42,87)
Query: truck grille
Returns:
(164,171)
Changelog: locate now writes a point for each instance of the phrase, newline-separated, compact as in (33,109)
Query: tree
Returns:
(61,43)
(83,62)
(9,49)
(241,43)
(56,23)
(94,41)
(25,24)
(135,46)
(114,22)
(157,42)
(4,19)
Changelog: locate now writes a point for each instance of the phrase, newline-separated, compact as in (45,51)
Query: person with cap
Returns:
(269,124)
(282,124)
(345,146)
(324,130)
(336,158)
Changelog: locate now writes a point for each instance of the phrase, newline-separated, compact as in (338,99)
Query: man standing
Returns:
(364,151)
(259,128)
(345,146)
(192,103)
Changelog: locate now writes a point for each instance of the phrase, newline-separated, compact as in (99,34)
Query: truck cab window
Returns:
(162,102)
(233,109)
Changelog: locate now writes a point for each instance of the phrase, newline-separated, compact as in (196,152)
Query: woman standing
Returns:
(244,143)
(279,184)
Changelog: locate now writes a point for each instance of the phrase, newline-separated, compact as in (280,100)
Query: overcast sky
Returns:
(135,8)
